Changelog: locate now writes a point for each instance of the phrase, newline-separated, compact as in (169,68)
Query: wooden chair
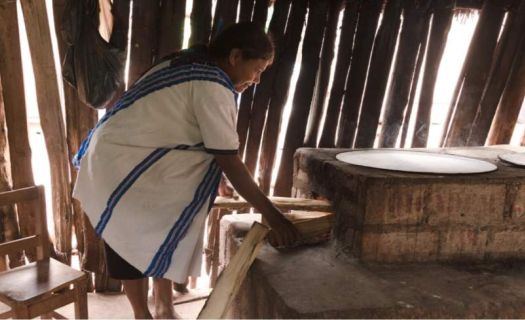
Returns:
(40,287)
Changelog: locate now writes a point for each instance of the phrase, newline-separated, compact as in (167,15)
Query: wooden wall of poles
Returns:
(385,48)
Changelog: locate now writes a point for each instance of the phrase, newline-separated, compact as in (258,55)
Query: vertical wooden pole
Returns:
(506,51)
(225,15)
(476,70)
(51,119)
(364,39)
(264,89)
(415,15)
(144,37)
(511,101)
(317,16)
(324,73)
(245,109)
(172,15)
(284,68)
(380,66)
(344,56)
(200,22)
(441,22)
(246,10)
(9,229)
(15,109)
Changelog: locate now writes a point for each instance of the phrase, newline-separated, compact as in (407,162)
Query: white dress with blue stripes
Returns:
(147,174)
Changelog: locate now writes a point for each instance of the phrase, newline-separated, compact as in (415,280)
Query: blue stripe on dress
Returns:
(162,259)
(128,181)
(161,79)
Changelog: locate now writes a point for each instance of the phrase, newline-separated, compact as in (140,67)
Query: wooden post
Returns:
(172,15)
(443,14)
(144,37)
(324,73)
(200,22)
(9,229)
(280,90)
(79,120)
(51,119)
(225,15)
(245,109)
(364,39)
(15,110)
(415,15)
(264,88)
(296,129)
(246,10)
(344,55)
(476,70)
(511,101)
(380,66)
(506,51)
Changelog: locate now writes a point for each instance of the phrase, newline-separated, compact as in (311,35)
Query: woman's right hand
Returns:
(283,233)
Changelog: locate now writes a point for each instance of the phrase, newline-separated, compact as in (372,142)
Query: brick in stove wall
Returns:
(515,204)
(399,246)
(463,244)
(394,204)
(503,244)
(472,204)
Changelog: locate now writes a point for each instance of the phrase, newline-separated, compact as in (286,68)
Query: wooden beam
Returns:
(276,78)
(144,38)
(344,56)
(380,66)
(200,22)
(475,72)
(231,278)
(506,52)
(246,10)
(172,15)
(323,74)
(415,15)
(51,119)
(282,203)
(441,22)
(260,12)
(364,39)
(225,15)
(313,38)
(511,101)
(15,110)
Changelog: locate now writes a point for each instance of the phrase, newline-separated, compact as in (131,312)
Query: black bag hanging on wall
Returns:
(91,65)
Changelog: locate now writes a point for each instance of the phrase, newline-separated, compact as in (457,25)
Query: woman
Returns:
(149,170)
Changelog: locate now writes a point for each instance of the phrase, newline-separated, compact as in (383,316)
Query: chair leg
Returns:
(81,308)
(21,312)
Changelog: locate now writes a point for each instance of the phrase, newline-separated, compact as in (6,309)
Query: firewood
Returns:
(282,203)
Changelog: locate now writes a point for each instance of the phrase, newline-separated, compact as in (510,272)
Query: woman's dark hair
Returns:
(248,37)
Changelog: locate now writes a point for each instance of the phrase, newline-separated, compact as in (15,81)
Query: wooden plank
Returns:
(413,85)
(144,38)
(282,203)
(344,55)
(233,275)
(511,101)
(475,72)
(266,87)
(380,67)
(172,15)
(441,22)
(200,22)
(260,12)
(313,38)
(506,51)
(9,229)
(246,10)
(15,110)
(415,15)
(324,73)
(314,227)
(19,244)
(51,119)
(364,39)
(225,15)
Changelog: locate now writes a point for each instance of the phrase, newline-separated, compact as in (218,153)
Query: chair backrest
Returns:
(34,198)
